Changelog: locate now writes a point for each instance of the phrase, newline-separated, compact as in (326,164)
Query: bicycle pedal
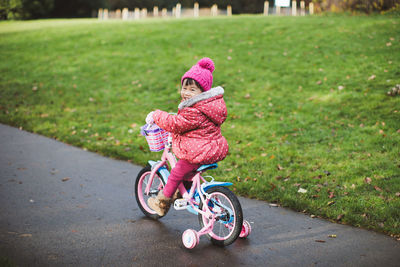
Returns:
(180,204)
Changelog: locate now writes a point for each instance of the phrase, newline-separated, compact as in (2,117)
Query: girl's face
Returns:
(189,90)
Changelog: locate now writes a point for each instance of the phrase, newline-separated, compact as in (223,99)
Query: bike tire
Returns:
(141,198)
(233,234)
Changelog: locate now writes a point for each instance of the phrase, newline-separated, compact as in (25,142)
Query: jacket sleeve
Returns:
(178,124)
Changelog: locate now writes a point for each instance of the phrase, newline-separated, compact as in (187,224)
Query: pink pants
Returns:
(182,170)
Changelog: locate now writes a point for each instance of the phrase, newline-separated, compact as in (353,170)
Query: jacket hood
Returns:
(210,103)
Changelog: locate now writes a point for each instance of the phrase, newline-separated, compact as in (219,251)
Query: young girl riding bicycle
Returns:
(196,130)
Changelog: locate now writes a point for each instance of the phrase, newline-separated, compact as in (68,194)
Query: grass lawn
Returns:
(306,96)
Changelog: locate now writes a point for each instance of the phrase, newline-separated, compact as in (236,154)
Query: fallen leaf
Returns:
(339,217)
(279,167)
(331,203)
(388,44)
(273,205)
(302,190)
(332,236)
(320,241)
(25,235)
(313,216)
(371,77)
(272,186)
(273,156)
(397,194)
(377,188)
(340,87)
(368,180)
(65,179)
(331,194)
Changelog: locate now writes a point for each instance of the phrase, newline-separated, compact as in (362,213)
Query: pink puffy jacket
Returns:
(196,128)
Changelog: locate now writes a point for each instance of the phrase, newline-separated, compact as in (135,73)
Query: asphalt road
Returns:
(63,206)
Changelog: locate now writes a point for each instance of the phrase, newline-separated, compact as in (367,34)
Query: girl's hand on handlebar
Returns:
(149,118)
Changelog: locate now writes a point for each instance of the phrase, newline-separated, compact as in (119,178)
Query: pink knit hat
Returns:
(202,73)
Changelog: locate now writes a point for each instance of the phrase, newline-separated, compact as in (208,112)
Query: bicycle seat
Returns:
(207,167)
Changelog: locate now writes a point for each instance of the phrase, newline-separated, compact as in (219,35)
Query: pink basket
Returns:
(156,137)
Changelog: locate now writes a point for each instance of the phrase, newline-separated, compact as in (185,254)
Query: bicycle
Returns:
(218,209)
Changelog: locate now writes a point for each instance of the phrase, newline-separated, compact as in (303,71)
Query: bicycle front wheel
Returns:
(229,216)
(140,186)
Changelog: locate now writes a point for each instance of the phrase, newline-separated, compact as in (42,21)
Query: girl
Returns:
(196,132)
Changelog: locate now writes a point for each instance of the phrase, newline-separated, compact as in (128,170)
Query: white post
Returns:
(214,10)
(294,8)
(164,12)
(302,8)
(311,6)
(137,13)
(174,12)
(125,13)
(266,8)
(100,14)
(278,10)
(105,14)
(196,10)
(144,13)
(229,10)
(178,11)
(155,11)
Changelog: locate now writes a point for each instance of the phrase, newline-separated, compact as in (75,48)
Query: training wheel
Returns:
(190,238)
(246,229)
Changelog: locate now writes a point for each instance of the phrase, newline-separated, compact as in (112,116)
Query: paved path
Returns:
(91,219)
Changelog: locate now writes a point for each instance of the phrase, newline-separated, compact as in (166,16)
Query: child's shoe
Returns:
(160,203)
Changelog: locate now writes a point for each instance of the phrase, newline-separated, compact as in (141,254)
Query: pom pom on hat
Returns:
(206,63)
(202,73)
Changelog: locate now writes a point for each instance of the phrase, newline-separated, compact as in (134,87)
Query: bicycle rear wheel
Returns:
(140,186)
(229,216)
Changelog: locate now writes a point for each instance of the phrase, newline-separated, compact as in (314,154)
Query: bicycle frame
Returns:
(190,196)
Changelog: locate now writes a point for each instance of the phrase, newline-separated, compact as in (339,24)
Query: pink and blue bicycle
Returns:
(218,209)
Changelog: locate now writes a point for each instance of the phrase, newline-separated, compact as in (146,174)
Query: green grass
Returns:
(91,84)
